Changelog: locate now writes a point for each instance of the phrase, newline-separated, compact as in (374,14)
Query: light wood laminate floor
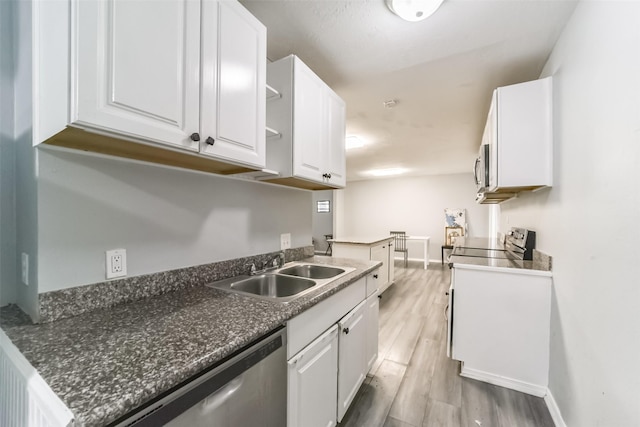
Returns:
(414,384)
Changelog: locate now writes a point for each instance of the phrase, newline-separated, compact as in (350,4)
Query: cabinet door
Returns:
(233,83)
(381,253)
(309,131)
(392,261)
(373,305)
(352,363)
(136,69)
(313,385)
(336,163)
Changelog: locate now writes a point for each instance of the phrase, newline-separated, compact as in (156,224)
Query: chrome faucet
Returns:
(275,263)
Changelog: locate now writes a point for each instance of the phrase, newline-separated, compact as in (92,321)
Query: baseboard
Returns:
(513,384)
(554,410)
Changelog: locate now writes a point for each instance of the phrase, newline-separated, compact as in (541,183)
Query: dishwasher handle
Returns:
(216,400)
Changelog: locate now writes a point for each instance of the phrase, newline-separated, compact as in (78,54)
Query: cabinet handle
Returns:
(346,331)
(210,141)
(375,276)
(195,136)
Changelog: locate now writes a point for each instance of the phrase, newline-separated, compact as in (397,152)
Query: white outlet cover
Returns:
(285,241)
(116,263)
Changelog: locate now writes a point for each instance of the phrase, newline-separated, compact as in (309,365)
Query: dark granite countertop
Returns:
(107,362)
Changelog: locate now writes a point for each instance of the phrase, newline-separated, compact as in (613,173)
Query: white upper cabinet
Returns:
(310,124)
(520,135)
(336,160)
(233,83)
(138,75)
(309,119)
(177,82)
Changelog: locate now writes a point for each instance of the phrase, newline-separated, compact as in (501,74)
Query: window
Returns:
(324,206)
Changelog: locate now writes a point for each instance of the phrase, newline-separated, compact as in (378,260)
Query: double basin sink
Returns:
(285,284)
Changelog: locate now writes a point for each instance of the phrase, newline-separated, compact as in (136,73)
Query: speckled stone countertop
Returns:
(361,240)
(109,361)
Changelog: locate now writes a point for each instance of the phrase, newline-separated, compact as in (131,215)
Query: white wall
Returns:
(26,162)
(164,218)
(7,157)
(588,220)
(322,222)
(413,204)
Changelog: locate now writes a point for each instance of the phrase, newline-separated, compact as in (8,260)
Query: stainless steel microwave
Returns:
(481,169)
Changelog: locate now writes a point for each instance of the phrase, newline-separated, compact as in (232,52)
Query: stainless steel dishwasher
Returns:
(249,389)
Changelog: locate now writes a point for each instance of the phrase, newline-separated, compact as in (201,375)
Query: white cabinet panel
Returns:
(500,327)
(313,387)
(135,75)
(308,130)
(373,306)
(336,160)
(352,363)
(233,83)
(381,253)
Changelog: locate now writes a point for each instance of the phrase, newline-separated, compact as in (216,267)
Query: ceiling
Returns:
(441,71)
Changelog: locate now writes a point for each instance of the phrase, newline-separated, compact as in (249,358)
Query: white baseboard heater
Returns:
(25,398)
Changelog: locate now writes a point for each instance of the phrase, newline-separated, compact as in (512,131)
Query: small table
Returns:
(442,251)
(425,240)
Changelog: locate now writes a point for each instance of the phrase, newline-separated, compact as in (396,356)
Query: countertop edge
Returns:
(500,269)
(358,241)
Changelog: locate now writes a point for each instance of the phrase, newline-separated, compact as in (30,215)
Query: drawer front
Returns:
(373,282)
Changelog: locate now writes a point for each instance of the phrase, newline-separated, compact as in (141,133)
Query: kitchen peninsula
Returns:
(369,248)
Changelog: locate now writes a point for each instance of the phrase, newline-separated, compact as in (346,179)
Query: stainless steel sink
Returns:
(312,271)
(273,285)
(283,285)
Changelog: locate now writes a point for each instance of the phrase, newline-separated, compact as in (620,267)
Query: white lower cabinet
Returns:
(373,305)
(330,348)
(381,252)
(499,325)
(313,383)
(352,362)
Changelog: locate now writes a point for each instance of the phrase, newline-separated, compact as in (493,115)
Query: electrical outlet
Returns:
(285,241)
(116,263)
(25,268)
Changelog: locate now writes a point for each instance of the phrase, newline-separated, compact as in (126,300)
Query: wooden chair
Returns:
(400,244)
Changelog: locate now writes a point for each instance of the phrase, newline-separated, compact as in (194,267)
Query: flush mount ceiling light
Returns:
(413,10)
(387,172)
(390,103)
(353,142)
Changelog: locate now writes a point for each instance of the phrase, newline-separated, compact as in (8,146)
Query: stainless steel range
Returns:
(519,244)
